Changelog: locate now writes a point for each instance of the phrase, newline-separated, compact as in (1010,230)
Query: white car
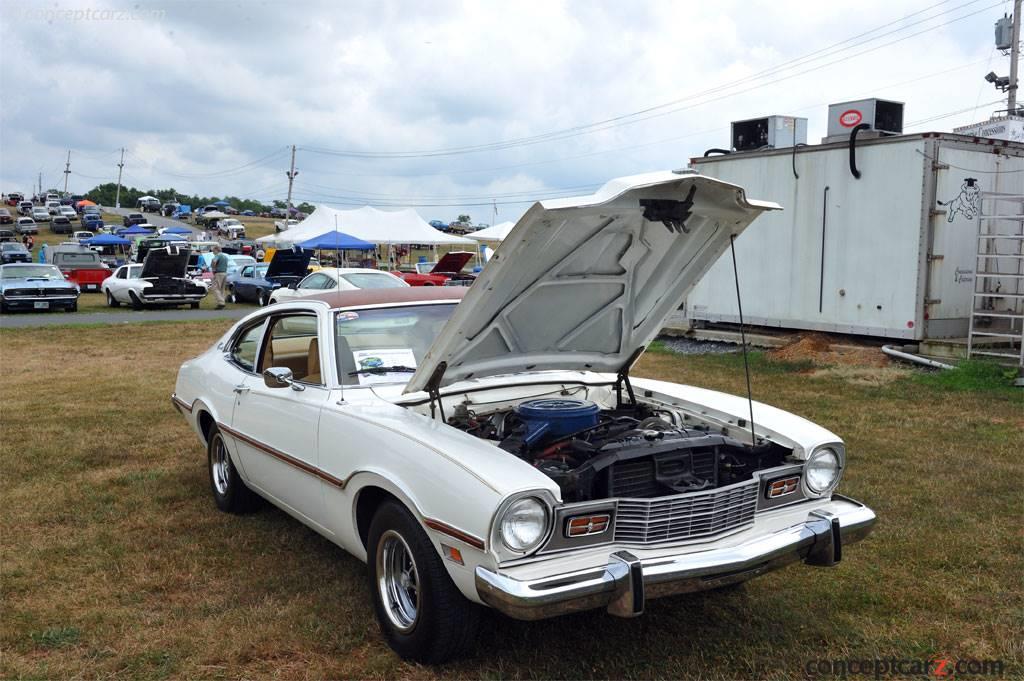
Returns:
(69,212)
(79,237)
(40,214)
(338,279)
(497,451)
(27,226)
(161,280)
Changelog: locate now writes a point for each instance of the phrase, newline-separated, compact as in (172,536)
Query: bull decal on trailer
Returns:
(966,203)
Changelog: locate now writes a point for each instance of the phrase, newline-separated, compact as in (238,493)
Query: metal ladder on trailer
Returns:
(997,312)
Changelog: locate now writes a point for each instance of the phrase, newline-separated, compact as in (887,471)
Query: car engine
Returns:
(633,451)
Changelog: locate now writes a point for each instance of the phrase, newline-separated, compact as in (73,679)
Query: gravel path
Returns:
(686,346)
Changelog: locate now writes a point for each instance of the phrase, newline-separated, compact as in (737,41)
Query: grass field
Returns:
(116,563)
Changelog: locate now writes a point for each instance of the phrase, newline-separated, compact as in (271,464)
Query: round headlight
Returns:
(524,524)
(821,472)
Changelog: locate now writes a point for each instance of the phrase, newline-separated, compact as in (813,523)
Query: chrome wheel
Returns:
(220,463)
(398,581)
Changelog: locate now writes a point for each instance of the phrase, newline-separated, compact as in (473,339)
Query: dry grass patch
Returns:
(116,563)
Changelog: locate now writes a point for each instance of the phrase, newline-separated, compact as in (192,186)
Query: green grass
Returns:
(117,564)
(972,376)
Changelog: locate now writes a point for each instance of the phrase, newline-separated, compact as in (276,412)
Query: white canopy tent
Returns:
(497,233)
(367,223)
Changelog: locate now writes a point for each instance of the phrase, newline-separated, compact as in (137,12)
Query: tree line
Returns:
(105,195)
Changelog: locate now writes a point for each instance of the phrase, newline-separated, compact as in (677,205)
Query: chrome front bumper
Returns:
(626,582)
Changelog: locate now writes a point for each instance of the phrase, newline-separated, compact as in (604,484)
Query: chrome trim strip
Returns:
(180,403)
(445,528)
(286,458)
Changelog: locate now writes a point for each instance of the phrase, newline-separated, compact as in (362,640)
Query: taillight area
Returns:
(584,525)
(782,487)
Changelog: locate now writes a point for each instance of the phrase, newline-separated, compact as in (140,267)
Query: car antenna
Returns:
(337,252)
(743,338)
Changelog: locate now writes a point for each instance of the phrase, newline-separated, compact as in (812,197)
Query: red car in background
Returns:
(81,265)
(445,272)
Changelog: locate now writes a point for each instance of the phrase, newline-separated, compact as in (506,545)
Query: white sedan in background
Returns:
(338,279)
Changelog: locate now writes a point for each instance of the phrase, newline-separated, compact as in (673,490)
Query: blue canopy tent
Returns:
(169,236)
(107,240)
(336,241)
(134,230)
(177,230)
(221,203)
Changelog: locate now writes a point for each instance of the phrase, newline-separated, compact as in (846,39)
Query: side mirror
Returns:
(294,285)
(280,377)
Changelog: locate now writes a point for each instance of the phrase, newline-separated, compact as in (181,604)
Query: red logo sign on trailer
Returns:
(850,118)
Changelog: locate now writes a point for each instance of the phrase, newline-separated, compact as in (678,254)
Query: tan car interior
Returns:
(293,344)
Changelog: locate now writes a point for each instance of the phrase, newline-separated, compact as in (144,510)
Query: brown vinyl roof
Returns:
(385,296)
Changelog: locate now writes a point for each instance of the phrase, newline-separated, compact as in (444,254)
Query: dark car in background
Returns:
(36,287)
(92,222)
(5,217)
(12,251)
(60,224)
(255,283)
(134,219)
(7,235)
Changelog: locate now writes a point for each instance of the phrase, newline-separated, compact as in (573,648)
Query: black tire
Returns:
(232,297)
(136,303)
(194,306)
(111,301)
(229,492)
(261,299)
(445,622)
(73,308)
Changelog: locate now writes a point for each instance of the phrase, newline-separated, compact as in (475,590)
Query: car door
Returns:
(243,283)
(276,428)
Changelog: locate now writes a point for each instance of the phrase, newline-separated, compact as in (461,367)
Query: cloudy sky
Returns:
(453,106)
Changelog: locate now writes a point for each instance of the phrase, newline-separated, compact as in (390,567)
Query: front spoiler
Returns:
(625,582)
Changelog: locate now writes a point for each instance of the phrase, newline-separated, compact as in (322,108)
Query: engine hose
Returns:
(715,150)
(853,148)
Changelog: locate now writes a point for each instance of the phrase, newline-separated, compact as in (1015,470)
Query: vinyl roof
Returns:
(385,296)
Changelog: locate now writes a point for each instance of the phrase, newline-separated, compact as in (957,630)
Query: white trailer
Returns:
(891,254)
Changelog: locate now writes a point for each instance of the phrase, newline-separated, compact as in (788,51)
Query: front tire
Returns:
(232,296)
(422,614)
(229,492)
(261,298)
(136,302)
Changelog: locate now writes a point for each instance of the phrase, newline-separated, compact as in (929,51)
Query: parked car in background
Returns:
(255,283)
(248,213)
(133,219)
(161,280)
(12,251)
(148,205)
(184,212)
(338,279)
(169,209)
(39,214)
(92,221)
(445,272)
(14,198)
(283,225)
(82,235)
(278,213)
(53,207)
(439,225)
(68,212)
(36,287)
(79,264)
(5,217)
(7,235)
(60,224)
(235,261)
(230,210)
(496,451)
(26,226)
(26,208)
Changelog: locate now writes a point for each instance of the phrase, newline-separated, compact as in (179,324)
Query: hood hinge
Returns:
(434,389)
(622,379)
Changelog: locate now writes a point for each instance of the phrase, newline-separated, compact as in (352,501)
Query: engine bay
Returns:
(627,451)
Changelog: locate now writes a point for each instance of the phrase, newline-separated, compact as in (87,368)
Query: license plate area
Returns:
(41,305)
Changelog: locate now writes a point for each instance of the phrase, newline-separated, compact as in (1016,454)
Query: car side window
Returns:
(245,347)
(247,271)
(292,343)
(122,273)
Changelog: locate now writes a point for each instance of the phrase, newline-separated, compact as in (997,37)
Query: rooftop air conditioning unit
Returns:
(882,116)
(771,131)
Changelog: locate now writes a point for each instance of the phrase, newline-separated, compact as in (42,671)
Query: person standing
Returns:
(42,254)
(220,275)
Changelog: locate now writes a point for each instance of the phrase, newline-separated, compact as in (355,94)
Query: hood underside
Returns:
(169,261)
(584,283)
(289,263)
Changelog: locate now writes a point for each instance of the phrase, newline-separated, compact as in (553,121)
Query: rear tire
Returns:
(229,492)
(422,614)
(111,301)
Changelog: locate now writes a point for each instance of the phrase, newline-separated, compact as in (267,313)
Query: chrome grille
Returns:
(686,516)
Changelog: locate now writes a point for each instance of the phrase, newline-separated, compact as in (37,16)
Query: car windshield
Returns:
(31,271)
(370,280)
(385,345)
(12,247)
(78,257)
(261,271)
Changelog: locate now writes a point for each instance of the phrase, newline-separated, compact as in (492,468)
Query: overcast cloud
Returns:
(208,96)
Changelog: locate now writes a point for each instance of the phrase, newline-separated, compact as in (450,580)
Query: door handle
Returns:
(241,389)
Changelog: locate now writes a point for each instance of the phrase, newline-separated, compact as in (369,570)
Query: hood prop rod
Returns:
(434,390)
(743,339)
(622,379)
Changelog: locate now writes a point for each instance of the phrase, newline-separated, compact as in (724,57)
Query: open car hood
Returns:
(167,261)
(289,263)
(452,262)
(585,283)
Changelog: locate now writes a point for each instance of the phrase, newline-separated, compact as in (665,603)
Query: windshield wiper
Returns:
(397,369)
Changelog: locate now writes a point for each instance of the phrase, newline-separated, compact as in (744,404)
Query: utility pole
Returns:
(120,167)
(291,178)
(40,184)
(1011,98)
(67,171)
